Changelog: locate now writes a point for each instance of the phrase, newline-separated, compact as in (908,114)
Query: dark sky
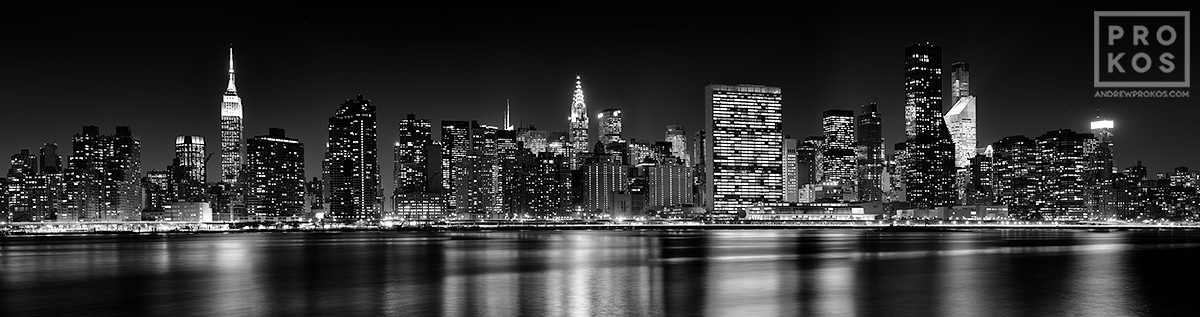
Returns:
(163,72)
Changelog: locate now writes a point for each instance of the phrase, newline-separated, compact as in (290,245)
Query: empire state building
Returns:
(231,130)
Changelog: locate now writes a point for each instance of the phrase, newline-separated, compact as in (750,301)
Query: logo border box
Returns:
(1187,50)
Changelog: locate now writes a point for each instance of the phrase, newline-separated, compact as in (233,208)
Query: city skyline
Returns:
(182,102)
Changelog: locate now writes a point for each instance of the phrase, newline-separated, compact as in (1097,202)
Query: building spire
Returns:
(231,88)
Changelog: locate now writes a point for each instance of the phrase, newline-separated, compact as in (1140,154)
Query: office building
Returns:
(744,150)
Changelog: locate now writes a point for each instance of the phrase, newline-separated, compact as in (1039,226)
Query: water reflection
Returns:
(586,273)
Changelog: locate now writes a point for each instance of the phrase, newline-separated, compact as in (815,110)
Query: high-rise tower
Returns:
(960,120)
(922,89)
(929,158)
(960,81)
(352,163)
(869,132)
(231,130)
(578,123)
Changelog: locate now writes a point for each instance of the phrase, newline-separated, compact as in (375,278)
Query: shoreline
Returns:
(620,228)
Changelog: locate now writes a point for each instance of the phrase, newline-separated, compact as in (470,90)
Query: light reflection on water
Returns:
(585,273)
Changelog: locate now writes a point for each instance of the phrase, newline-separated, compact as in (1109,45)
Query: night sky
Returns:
(163,74)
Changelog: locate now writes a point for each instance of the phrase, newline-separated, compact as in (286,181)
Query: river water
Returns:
(605,273)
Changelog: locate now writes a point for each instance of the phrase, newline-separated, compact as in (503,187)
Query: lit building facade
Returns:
(744,150)
(1014,165)
(231,130)
(189,150)
(275,177)
(610,125)
(928,164)
(668,184)
(1063,165)
(679,143)
(456,141)
(1104,188)
(352,163)
(791,170)
(922,89)
(838,158)
(409,162)
(604,181)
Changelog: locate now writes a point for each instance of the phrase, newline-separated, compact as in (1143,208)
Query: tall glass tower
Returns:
(744,151)
(231,130)
(929,165)
(922,89)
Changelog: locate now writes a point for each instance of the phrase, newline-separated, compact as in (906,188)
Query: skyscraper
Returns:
(409,160)
(929,178)
(456,141)
(578,124)
(679,144)
(189,150)
(123,189)
(744,150)
(960,81)
(960,120)
(610,125)
(869,132)
(414,170)
(351,163)
(1103,187)
(838,158)
(275,177)
(922,89)
(929,158)
(475,190)
(231,130)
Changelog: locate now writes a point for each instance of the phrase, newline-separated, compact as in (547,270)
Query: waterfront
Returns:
(630,273)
